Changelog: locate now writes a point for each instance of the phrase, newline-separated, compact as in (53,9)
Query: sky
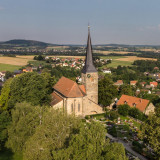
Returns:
(66,21)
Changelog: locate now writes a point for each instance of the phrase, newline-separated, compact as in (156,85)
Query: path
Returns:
(128,148)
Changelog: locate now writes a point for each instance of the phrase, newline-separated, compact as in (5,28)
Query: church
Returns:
(80,100)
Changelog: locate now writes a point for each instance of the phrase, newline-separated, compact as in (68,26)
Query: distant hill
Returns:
(23,42)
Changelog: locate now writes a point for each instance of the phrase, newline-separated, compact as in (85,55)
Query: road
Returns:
(127,147)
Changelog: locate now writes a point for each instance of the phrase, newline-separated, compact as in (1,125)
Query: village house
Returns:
(2,76)
(118,83)
(153,84)
(143,105)
(156,68)
(133,83)
(143,84)
(106,71)
(80,100)
(28,69)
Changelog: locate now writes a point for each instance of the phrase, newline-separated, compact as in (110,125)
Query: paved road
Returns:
(128,148)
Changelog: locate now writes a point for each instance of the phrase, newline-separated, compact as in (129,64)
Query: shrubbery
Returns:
(125,110)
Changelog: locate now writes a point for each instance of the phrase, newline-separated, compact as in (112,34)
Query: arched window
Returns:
(72,107)
(79,107)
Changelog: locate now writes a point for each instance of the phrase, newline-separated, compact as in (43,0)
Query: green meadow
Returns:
(8,67)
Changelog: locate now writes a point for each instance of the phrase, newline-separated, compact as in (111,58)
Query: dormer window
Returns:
(134,104)
(125,102)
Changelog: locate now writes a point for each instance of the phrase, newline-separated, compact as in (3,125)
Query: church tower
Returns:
(89,73)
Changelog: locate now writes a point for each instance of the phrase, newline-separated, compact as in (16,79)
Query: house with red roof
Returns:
(118,83)
(143,105)
(153,84)
(133,83)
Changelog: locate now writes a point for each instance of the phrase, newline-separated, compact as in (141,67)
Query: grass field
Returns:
(37,63)
(116,63)
(8,67)
(124,60)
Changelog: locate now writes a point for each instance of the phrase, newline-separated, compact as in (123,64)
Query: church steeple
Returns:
(89,66)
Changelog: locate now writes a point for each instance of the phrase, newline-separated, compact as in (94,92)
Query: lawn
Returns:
(37,63)
(8,67)
(116,63)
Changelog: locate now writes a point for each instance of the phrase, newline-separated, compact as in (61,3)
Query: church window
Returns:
(72,107)
(79,107)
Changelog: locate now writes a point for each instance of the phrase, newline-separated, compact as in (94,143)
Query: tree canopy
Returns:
(151,132)
(25,119)
(30,87)
(106,91)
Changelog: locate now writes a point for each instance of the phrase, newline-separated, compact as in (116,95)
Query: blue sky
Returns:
(65,21)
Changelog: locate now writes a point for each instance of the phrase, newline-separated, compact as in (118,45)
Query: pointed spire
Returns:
(89,67)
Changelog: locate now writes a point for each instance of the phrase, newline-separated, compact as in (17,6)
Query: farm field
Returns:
(109,52)
(116,63)
(125,60)
(8,67)
(18,61)
(14,63)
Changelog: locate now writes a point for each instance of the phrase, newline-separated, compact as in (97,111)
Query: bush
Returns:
(135,113)
(113,115)
(123,110)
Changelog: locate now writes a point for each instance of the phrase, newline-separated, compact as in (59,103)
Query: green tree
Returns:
(30,87)
(151,132)
(8,75)
(136,113)
(123,109)
(25,119)
(126,89)
(114,151)
(65,137)
(51,135)
(5,95)
(113,115)
(5,120)
(106,91)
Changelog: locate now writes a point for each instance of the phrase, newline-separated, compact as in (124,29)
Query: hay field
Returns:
(18,61)
(109,52)
(134,58)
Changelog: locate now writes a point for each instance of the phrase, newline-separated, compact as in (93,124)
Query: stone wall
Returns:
(149,109)
(90,107)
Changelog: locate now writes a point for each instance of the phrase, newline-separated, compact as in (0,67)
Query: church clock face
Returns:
(88,75)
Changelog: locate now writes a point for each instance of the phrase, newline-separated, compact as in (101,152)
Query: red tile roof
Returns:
(55,99)
(139,103)
(118,82)
(154,83)
(133,82)
(68,88)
